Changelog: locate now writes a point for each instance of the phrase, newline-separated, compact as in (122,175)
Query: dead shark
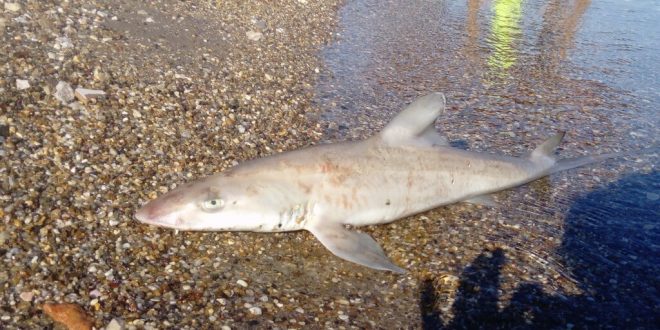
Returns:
(406,169)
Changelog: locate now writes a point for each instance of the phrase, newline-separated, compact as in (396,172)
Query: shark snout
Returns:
(157,213)
(142,214)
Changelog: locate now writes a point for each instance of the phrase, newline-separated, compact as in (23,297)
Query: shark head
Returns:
(215,203)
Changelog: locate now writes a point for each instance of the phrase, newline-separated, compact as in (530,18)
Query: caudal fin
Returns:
(566,164)
(545,154)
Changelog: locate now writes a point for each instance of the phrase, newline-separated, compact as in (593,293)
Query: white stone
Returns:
(254,35)
(114,325)
(23,19)
(242,283)
(27,296)
(149,20)
(12,6)
(64,92)
(63,43)
(180,76)
(255,310)
(84,94)
(22,84)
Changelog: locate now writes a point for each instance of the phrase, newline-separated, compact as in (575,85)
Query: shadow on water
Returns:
(611,246)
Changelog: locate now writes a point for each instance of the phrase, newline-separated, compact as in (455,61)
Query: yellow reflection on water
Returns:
(504,32)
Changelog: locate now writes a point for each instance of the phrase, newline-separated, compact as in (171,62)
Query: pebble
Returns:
(254,35)
(99,75)
(76,106)
(22,84)
(148,20)
(84,94)
(71,315)
(12,6)
(27,296)
(255,310)
(63,43)
(242,283)
(63,92)
(114,325)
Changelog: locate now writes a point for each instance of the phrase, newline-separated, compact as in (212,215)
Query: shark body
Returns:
(405,169)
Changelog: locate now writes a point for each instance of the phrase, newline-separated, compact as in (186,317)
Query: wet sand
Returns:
(193,89)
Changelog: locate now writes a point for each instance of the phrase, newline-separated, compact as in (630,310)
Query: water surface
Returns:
(584,244)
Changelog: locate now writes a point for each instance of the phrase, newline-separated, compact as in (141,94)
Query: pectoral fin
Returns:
(353,246)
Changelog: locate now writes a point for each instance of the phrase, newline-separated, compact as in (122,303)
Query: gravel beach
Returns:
(190,89)
(105,105)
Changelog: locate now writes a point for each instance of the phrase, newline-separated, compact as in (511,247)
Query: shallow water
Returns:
(582,245)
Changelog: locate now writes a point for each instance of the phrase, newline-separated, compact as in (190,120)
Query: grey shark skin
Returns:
(407,168)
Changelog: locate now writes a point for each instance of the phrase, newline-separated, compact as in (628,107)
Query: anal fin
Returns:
(353,246)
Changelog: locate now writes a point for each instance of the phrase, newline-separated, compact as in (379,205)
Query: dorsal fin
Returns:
(415,124)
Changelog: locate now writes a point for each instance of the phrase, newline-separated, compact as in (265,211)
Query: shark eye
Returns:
(213,204)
